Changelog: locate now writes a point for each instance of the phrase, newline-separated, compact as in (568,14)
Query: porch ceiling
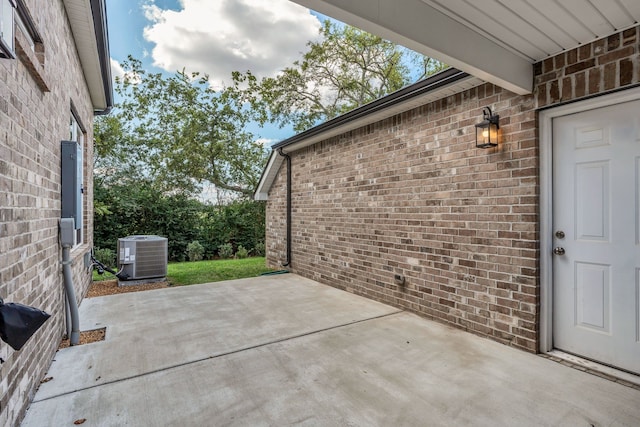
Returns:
(495,40)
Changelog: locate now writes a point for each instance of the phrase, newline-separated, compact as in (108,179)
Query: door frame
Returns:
(545,123)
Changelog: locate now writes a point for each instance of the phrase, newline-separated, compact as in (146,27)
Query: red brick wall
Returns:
(36,93)
(411,195)
(601,66)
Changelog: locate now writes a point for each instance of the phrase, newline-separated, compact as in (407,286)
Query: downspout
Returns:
(286,156)
(66,228)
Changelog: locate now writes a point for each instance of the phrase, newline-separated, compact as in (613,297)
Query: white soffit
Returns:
(84,35)
(268,176)
(496,40)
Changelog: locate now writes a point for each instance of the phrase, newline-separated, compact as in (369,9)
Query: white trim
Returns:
(268,176)
(594,366)
(421,27)
(80,17)
(7,35)
(545,120)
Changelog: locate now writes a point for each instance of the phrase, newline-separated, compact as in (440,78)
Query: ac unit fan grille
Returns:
(151,259)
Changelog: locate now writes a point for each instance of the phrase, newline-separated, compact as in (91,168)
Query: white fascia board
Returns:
(418,26)
(81,20)
(268,176)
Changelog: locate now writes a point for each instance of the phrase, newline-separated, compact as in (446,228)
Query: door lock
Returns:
(558,251)
(560,234)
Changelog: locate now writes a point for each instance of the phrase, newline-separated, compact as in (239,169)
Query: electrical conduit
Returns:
(66,227)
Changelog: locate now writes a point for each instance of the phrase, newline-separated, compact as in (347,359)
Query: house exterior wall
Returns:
(37,91)
(412,196)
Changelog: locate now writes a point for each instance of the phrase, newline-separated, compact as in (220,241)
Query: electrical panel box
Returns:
(71,185)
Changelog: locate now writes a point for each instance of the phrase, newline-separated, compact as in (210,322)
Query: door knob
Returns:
(558,251)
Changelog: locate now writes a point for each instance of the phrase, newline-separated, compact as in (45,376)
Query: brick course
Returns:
(412,196)
(36,94)
(601,66)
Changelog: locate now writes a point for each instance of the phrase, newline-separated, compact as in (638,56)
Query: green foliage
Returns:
(105,256)
(225,250)
(139,208)
(100,209)
(242,253)
(347,68)
(259,249)
(195,251)
(183,131)
(116,159)
(240,222)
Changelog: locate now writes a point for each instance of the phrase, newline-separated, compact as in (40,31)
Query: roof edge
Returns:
(437,81)
(431,83)
(88,22)
(268,176)
(99,10)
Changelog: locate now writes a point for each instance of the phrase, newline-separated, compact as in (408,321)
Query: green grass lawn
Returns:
(189,273)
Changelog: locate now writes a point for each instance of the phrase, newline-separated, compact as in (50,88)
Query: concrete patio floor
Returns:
(284,350)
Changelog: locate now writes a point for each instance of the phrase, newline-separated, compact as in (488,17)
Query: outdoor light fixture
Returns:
(487,129)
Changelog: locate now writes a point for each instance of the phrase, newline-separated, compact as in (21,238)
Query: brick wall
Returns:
(602,66)
(412,196)
(36,93)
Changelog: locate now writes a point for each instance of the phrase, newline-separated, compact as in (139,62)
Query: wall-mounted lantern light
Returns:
(487,129)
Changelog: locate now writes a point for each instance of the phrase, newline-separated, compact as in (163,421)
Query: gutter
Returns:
(379,109)
(99,11)
(443,78)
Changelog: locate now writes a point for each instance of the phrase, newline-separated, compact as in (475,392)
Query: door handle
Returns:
(558,251)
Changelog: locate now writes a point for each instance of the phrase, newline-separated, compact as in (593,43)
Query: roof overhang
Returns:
(88,20)
(446,83)
(496,41)
(423,28)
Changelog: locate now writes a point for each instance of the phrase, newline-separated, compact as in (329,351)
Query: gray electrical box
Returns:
(71,185)
(67,232)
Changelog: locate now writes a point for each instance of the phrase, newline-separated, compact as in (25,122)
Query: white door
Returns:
(596,226)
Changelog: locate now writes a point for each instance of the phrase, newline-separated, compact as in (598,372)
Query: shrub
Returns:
(242,252)
(105,256)
(195,251)
(259,249)
(141,207)
(225,250)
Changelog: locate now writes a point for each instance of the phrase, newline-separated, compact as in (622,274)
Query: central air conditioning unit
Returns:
(142,257)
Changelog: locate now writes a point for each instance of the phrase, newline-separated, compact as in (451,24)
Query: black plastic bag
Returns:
(18,322)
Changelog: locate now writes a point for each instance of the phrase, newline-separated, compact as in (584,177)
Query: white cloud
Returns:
(265,141)
(221,36)
(116,69)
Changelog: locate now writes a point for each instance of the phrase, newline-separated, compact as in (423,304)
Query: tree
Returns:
(116,159)
(183,131)
(346,69)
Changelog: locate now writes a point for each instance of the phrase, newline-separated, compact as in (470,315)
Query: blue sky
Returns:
(213,37)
